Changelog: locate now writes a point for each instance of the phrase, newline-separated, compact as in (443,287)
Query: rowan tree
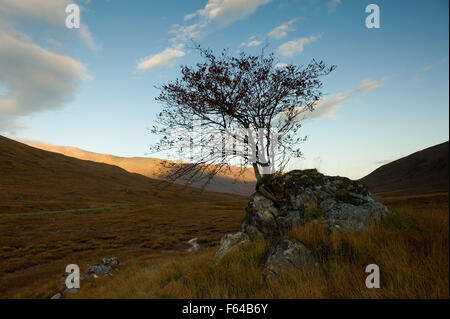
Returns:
(243,110)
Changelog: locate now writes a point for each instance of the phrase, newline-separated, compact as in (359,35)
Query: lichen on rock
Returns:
(230,242)
(300,195)
(287,254)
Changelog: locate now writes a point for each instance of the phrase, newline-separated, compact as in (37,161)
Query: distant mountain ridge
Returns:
(423,172)
(232,183)
(33,180)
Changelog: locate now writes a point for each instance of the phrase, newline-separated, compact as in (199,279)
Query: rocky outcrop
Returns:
(302,195)
(287,254)
(285,201)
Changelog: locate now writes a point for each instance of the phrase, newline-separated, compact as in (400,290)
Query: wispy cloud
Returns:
(164,58)
(333,5)
(420,74)
(427,68)
(282,30)
(225,12)
(35,78)
(252,42)
(384,162)
(50,12)
(28,140)
(327,106)
(294,47)
(214,15)
(281,65)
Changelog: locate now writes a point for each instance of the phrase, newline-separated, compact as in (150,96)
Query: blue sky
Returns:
(387,98)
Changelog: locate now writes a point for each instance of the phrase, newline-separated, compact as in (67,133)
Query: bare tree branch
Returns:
(244,101)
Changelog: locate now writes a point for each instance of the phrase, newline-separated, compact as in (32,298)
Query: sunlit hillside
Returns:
(233,180)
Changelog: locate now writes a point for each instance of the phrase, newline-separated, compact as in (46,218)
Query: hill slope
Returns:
(423,172)
(35,180)
(151,167)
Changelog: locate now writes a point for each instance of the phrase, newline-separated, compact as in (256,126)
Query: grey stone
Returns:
(231,241)
(262,213)
(56,296)
(288,254)
(111,261)
(194,245)
(100,269)
(291,220)
(70,291)
(355,218)
(327,204)
(106,268)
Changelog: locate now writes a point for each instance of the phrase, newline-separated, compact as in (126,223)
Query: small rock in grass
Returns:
(194,244)
(56,296)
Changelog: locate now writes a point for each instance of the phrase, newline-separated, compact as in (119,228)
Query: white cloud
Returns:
(50,12)
(225,12)
(326,107)
(427,68)
(86,37)
(420,74)
(368,85)
(333,5)
(294,47)
(164,58)
(35,79)
(28,140)
(215,15)
(252,42)
(282,30)
(280,65)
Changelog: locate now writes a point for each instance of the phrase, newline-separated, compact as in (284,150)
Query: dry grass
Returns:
(412,250)
(34,250)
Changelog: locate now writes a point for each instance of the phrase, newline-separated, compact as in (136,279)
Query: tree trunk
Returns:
(256,170)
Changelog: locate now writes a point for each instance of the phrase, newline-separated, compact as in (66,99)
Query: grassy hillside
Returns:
(232,181)
(423,172)
(146,220)
(35,180)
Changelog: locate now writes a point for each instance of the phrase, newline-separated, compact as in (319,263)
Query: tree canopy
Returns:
(243,110)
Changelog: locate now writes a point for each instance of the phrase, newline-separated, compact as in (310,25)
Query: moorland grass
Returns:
(411,249)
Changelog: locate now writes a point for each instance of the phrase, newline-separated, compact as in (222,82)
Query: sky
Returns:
(93,87)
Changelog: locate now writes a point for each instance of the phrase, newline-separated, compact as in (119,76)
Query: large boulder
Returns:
(284,201)
(288,254)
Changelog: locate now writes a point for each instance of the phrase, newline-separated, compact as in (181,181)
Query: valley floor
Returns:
(35,248)
(411,249)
